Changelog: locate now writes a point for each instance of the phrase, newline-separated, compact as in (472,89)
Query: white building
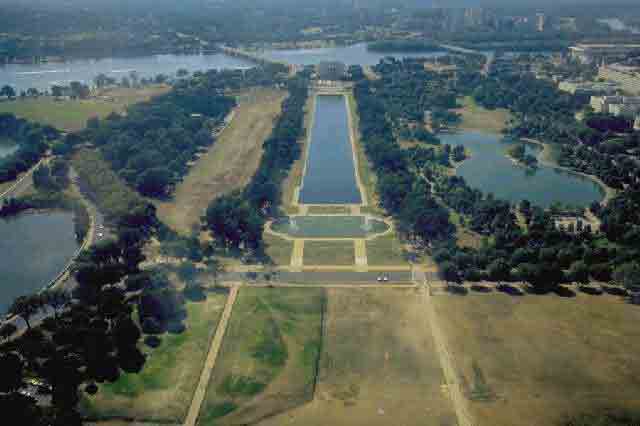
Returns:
(636,124)
(541,20)
(589,53)
(588,88)
(624,106)
(628,77)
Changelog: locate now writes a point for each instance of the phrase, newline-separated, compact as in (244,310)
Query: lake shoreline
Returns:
(545,158)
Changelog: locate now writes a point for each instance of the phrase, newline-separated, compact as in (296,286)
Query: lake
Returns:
(34,249)
(43,76)
(330,174)
(491,171)
(355,54)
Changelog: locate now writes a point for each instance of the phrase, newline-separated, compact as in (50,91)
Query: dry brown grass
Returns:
(228,165)
(378,365)
(536,360)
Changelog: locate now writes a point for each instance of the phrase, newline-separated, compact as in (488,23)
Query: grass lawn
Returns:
(329,210)
(164,389)
(72,115)
(378,365)
(385,250)
(269,357)
(477,118)
(541,359)
(329,253)
(278,249)
(228,165)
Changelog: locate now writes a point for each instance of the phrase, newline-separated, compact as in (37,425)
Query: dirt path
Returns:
(205,376)
(454,387)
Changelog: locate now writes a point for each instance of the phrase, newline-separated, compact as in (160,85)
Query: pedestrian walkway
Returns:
(205,376)
(361,255)
(297,257)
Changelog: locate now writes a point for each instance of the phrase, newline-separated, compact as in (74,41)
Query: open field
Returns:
(164,389)
(268,361)
(228,165)
(329,253)
(536,360)
(385,250)
(477,118)
(72,115)
(378,365)
(278,249)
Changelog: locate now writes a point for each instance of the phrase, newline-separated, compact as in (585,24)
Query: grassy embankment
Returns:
(163,390)
(546,358)
(269,357)
(378,366)
(112,196)
(72,115)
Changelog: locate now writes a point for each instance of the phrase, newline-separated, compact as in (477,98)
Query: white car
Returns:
(385,278)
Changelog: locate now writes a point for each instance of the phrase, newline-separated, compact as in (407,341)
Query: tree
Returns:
(7,329)
(579,272)
(25,307)
(57,299)
(628,274)
(11,371)
(8,91)
(234,223)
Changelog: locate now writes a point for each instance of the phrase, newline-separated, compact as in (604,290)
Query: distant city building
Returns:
(589,53)
(331,70)
(636,124)
(586,88)
(541,20)
(567,23)
(623,106)
(628,77)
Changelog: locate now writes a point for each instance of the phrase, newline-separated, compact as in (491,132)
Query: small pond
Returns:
(491,171)
(329,226)
(34,248)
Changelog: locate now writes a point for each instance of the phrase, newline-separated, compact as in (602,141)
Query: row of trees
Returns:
(32,140)
(402,193)
(236,221)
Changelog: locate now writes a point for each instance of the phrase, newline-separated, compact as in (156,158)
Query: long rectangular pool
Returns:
(330,174)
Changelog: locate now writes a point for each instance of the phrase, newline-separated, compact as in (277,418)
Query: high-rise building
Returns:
(540,21)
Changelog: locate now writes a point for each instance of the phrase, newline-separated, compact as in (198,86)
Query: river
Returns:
(355,54)
(34,249)
(330,174)
(42,76)
(491,171)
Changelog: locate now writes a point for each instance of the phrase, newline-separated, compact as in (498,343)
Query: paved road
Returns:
(321,277)
(23,183)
